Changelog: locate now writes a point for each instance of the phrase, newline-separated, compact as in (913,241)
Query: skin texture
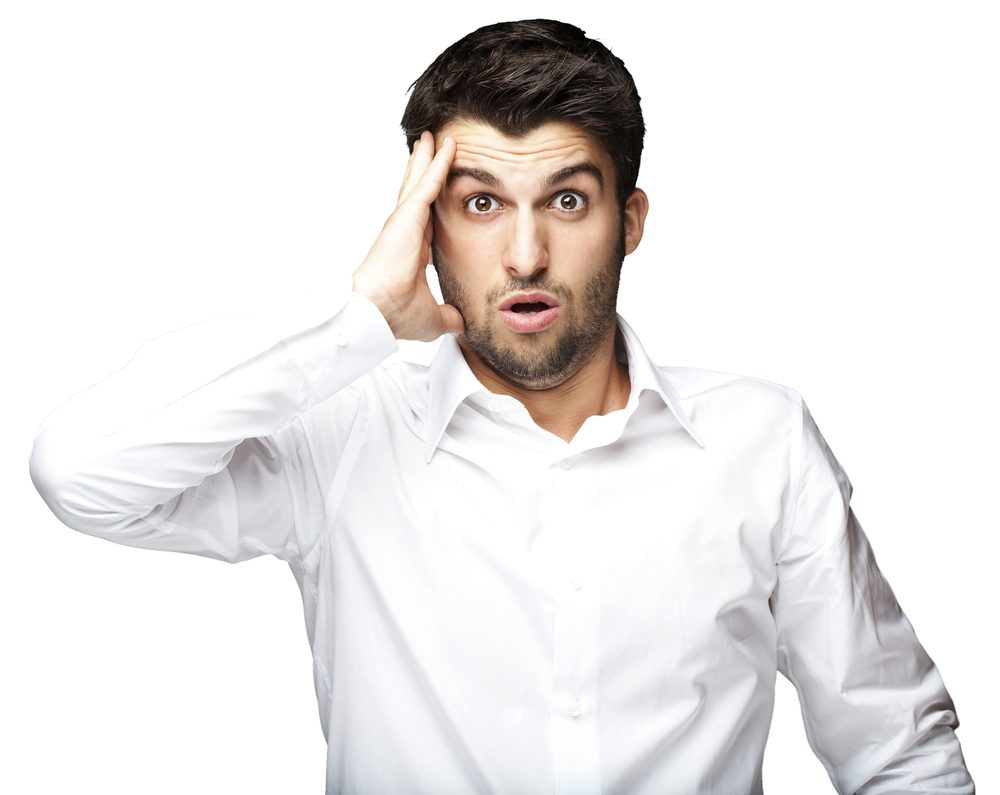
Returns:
(566,238)
(505,221)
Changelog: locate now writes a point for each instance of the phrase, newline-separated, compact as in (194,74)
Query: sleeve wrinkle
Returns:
(867,688)
(196,462)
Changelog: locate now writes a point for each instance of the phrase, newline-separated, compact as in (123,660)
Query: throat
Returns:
(593,391)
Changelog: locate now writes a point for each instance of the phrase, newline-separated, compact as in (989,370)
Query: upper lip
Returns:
(529,298)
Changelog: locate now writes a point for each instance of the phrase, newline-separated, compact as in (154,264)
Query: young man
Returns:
(543,563)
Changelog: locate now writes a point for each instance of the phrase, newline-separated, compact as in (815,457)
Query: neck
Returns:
(600,386)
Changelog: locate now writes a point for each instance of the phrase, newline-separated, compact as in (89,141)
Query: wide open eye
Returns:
(569,200)
(481,204)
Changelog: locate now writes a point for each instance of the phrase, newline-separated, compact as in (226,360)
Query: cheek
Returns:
(582,243)
(473,246)
(444,233)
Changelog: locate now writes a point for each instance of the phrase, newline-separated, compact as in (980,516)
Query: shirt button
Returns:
(575,582)
(574,710)
(566,463)
(343,338)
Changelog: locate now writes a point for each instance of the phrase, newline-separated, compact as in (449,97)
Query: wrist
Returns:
(378,296)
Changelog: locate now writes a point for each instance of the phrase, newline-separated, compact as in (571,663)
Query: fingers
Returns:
(423,152)
(432,180)
(406,184)
(451,319)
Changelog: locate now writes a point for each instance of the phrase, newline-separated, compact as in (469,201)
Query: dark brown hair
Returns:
(515,76)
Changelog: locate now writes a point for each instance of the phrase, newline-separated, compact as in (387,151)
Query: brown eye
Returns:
(481,205)
(570,201)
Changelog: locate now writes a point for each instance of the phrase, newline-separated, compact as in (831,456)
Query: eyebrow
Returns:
(481,175)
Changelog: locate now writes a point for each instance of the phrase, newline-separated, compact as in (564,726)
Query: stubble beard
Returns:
(537,362)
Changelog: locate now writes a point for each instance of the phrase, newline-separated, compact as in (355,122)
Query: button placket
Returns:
(576,626)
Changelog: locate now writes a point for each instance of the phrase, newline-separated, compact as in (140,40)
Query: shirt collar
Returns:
(451,382)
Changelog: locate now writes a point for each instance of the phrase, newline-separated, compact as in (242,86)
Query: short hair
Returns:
(515,76)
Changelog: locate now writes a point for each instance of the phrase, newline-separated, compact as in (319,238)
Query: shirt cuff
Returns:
(356,339)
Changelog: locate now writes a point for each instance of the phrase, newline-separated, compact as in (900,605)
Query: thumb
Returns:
(451,319)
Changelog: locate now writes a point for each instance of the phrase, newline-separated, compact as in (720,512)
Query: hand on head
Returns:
(394,273)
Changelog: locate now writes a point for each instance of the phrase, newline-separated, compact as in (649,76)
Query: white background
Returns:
(824,213)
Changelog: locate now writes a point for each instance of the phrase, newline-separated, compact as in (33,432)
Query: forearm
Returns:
(173,417)
(874,705)
(934,763)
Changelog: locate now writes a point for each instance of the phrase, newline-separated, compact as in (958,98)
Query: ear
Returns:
(636,207)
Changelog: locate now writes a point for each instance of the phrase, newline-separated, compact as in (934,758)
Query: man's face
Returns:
(528,245)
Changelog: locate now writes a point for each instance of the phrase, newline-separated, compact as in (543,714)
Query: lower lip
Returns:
(524,323)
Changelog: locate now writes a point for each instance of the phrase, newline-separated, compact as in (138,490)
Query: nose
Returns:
(525,252)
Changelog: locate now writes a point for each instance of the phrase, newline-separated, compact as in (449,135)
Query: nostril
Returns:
(526,262)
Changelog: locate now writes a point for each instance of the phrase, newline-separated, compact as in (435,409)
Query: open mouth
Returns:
(529,308)
(529,312)
(523,303)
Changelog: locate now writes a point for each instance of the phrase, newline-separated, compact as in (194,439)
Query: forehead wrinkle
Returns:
(488,156)
(553,179)
(562,148)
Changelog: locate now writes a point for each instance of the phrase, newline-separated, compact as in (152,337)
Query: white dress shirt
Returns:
(493,609)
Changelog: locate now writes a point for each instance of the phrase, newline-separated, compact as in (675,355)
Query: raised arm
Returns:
(199,444)
(393,274)
(193,444)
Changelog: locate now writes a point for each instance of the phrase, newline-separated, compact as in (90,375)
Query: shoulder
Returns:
(396,392)
(696,385)
(730,408)
(704,391)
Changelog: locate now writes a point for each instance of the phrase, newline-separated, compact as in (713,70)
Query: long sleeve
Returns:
(196,445)
(876,711)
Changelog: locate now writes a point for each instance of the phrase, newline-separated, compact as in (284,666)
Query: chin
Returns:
(528,362)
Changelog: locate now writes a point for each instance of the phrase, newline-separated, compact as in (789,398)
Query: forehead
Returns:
(547,148)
